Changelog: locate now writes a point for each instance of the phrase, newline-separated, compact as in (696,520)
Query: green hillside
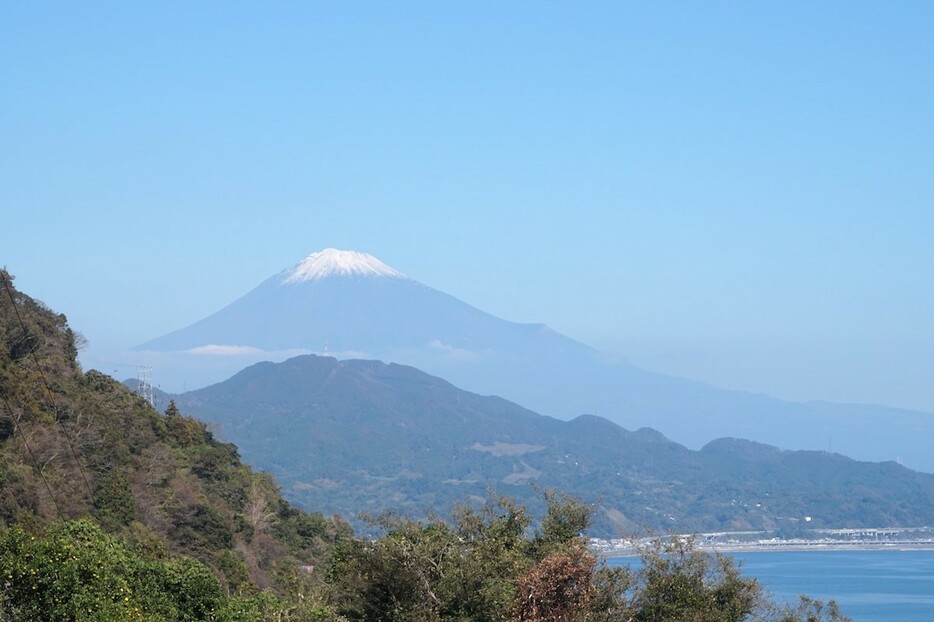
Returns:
(78,446)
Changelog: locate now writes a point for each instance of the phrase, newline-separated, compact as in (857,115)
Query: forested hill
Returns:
(77,445)
(352,436)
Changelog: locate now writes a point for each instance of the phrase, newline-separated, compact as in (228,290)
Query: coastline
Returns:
(719,544)
(821,546)
(728,549)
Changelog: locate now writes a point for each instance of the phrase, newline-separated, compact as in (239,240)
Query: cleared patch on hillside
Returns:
(507,449)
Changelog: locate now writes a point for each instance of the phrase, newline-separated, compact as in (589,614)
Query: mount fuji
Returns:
(352,305)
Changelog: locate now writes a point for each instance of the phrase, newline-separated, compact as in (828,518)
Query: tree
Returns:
(678,582)
(79,573)
(811,610)
(563,525)
(558,589)
(114,503)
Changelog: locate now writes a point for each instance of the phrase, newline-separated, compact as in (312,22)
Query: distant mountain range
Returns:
(363,436)
(354,306)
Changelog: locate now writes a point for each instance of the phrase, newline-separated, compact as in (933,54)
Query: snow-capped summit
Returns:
(334,262)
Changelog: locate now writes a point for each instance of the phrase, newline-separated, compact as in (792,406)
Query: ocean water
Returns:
(870,586)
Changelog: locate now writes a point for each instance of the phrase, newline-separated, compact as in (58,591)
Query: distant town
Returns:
(815,539)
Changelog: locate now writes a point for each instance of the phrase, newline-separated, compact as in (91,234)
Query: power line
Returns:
(32,456)
(48,389)
(110,363)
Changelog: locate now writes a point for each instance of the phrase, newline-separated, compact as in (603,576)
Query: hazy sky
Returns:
(741,193)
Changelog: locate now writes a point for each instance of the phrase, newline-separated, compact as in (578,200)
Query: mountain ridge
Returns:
(352,436)
(404,321)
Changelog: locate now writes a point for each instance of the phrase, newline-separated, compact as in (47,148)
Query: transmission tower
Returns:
(144,383)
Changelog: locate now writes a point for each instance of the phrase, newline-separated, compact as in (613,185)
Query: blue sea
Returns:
(870,586)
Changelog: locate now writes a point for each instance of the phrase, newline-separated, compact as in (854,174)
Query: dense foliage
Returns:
(486,566)
(483,567)
(75,571)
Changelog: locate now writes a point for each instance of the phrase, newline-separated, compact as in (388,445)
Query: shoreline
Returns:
(782,547)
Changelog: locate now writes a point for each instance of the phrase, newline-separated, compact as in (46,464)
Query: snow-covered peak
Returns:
(333,262)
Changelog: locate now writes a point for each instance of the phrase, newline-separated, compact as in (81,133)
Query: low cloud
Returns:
(231,350)
(219,350)
(459,354)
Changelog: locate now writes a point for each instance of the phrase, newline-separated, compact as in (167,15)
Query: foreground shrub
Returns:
(76,572)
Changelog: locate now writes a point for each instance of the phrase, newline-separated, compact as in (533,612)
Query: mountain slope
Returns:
(355,306)
(359,310)
(351,436)
(76,445)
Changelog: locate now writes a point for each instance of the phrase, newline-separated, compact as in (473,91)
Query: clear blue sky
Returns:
(739,192)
